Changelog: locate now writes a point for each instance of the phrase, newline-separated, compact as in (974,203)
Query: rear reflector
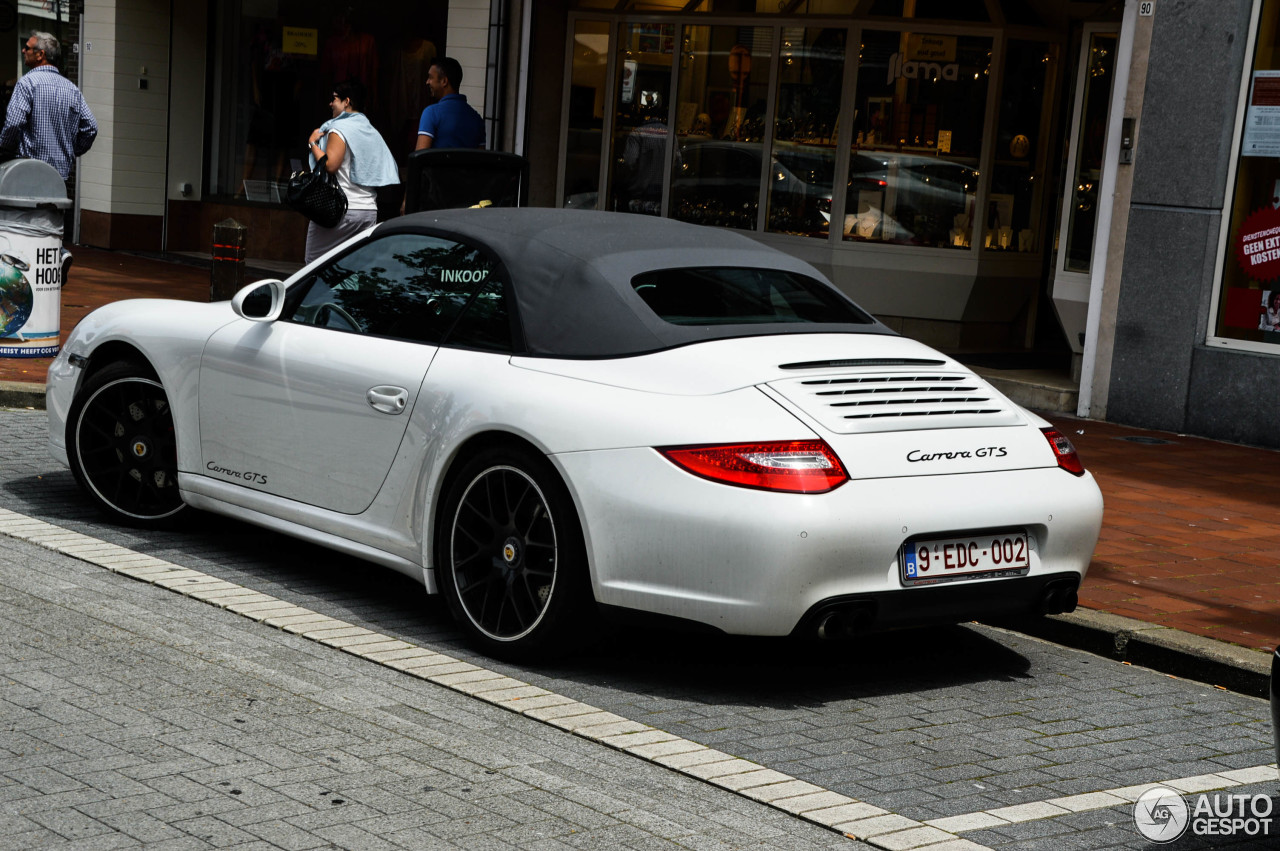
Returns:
(1066,453)
(791,466)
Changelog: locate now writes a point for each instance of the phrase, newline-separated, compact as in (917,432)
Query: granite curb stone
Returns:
(1164,649)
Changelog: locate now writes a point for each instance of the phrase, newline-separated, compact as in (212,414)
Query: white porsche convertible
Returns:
(541,412)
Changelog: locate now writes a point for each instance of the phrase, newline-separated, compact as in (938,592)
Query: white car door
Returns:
(313,406)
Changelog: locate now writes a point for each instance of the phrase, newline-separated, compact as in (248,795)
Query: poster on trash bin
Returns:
(30,297)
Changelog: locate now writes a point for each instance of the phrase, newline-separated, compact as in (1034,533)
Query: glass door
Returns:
(1081,190)
(722,103)
(1088,139)
(585,106)
(642,118)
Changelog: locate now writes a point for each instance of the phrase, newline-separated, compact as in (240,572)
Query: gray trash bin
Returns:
(33,198)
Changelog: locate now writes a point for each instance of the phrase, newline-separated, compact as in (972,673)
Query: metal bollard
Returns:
(227,275)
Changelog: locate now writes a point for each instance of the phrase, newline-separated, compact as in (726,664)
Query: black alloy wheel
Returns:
(511,563)
(122,446)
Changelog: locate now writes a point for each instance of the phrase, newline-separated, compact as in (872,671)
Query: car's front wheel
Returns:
(122,447)
(510,557)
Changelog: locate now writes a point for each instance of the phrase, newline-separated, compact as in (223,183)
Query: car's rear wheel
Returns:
(510,557)
(122,446)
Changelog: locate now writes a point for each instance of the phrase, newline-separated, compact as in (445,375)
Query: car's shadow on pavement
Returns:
(791,672)
(698,667)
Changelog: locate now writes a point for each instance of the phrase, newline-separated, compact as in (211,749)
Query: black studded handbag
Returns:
(316,195)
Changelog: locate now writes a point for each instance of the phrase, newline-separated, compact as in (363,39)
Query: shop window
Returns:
(279,63)
(1249,294)
(802,168)
(913,172)
(642,123)
(587,90)
(721,125)
(1017,180)
(1090,143)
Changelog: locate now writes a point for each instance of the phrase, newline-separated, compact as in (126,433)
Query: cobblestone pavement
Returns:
(132,716)
(927,724)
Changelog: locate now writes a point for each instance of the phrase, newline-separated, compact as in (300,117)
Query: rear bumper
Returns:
(751,562)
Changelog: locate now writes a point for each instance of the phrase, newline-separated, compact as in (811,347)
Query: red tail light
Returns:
(1066,453)
(793,466)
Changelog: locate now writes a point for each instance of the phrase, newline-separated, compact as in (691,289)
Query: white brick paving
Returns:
(970,821)
(1087,801)
(748,779)
(1028,812)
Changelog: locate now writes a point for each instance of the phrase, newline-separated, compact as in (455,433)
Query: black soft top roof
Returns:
(571,274)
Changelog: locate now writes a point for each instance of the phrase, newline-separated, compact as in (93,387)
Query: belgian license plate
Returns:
(933,560)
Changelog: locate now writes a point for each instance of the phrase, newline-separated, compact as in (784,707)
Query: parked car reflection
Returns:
(717,182)
(919,199)
(905,199)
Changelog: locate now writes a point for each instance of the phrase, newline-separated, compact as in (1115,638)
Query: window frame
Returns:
(1224,235)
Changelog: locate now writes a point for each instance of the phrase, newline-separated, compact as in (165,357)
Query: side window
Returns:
(407,286)
(485,324)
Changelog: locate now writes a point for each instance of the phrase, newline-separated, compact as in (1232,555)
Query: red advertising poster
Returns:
(1258,245)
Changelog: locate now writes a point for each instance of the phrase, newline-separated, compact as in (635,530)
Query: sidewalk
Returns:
(1190,545)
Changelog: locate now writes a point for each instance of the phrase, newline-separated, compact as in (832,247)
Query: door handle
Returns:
(387,399)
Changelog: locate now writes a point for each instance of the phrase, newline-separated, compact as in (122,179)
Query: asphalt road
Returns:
(944,725)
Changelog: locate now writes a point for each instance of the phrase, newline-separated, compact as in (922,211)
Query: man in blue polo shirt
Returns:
(451,122)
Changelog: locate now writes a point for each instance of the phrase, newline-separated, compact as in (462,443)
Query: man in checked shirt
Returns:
(47,118)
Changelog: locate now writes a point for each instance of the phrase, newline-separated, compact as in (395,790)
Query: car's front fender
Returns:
(168,334)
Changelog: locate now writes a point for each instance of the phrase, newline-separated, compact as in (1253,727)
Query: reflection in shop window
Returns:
(913,173)
(802,169)
(642,121)
(1082,211)
(1017,180)
(587,88)
(720,125)
(276,73)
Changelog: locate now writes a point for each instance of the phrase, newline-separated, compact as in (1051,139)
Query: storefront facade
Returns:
(735,115)
(205,106)
(1184,332)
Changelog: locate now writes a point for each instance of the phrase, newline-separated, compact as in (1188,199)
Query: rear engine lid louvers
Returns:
(863,402)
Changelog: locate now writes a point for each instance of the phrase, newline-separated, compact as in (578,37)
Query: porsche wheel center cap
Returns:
(511,551)
(139,447)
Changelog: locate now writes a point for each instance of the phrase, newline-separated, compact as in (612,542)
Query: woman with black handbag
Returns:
(348,147)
